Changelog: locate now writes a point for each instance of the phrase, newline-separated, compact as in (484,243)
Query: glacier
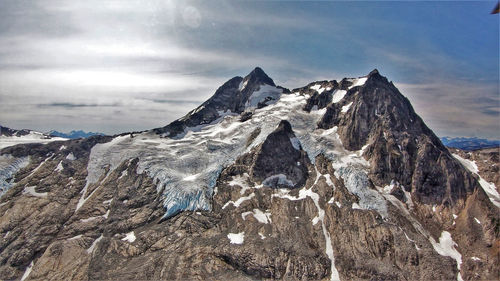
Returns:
(9,166)
(185,169)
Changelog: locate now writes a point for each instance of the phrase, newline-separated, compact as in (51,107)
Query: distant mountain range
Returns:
(469,143)
(74,134)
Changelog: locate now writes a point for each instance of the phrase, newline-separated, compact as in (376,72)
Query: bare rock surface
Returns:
(368,193)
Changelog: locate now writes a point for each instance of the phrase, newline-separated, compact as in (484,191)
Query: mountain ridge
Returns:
(334,180)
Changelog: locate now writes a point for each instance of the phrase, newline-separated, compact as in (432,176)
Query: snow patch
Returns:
(277,180)
(27,271)
(30,190)
(258,215)
(240,200)
(338,95)
(488,187)
(92,247)
(359,82)
(243,85)
(318,88)
(236,238)
(479,222)
(71,157)
(345,108)
(59,167)
(446,247)
(355,206)
(75,237)
(123,174)
(264,92)
(130,237)
(304,193)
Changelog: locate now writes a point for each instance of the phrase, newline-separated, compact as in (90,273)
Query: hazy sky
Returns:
(116,66)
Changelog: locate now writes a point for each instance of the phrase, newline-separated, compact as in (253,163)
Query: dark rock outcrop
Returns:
(400,146)
(232,96)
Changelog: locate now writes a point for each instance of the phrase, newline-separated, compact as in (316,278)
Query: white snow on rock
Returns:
(359,82)
(92,247)
(9,166)
(478,221)
(411,240)
(488,187)
(357,182)
(59,167)
(32,137)
(258,215)
(130,237)
(263,92)
(243,85)
(204,152)
(236,238)
(338,95)
(123,174)
(446,247)
(356,206)
(71,157)
(276,180)
(240,200)
(345,108)
(27,271)
(304,193)
(262,236)
(318,88)
(75,237)
(30,190)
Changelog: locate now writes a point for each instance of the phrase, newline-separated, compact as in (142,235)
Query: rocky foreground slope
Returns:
(335,180)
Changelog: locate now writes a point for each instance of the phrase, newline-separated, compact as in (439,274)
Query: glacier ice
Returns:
(9,166)
(185,169)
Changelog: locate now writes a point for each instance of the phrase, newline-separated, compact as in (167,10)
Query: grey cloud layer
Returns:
(115,66)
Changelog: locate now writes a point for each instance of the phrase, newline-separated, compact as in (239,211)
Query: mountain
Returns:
(337,180)
(74,134)
(469,143)
(10,137)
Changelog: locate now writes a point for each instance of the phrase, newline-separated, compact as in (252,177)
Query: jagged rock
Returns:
(233,96)
(294,204)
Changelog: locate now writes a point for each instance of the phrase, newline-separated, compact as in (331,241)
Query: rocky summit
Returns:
(337,180)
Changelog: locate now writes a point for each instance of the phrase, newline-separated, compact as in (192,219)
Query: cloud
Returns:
(457,108)
(115,66)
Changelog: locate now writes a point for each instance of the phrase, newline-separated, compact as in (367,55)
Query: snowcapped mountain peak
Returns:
(235,96)
(342,179)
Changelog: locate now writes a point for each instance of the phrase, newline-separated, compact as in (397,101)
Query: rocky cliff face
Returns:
(332,181)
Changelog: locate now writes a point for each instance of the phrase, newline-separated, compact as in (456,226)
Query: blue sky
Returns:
(115,66)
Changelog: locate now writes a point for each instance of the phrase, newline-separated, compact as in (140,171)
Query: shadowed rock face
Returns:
(275,213)
(232,97)
(400,146)
(4,131)
(280,154)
